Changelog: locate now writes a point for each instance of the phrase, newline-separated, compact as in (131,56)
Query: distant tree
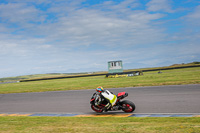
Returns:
(196,62)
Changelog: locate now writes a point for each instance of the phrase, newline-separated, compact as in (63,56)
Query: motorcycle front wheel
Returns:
(96,109)
(128,106)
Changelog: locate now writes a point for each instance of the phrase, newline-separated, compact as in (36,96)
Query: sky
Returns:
(69,36)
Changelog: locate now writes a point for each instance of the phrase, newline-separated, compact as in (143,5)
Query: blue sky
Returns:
(64,36)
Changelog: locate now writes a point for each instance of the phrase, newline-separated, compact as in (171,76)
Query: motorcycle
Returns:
(125,105)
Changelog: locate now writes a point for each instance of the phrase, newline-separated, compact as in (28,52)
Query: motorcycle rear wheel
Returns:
(128,106)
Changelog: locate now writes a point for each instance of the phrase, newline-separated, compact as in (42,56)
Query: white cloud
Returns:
(193,18)
(4,47)
(44,46)
(84,26)
(18,13)
(160,5)
(95,27)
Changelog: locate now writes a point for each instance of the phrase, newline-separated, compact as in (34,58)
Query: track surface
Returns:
(157,99)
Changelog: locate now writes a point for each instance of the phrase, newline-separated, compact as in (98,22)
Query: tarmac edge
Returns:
(102,115)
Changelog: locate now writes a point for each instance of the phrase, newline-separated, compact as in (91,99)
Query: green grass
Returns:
(98,125)
(35,76)
(167,77)
(56,75)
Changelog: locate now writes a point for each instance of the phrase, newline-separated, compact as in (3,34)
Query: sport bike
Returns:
(125,105)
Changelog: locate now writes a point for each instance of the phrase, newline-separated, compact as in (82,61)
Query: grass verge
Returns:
(99,125)
(167,77)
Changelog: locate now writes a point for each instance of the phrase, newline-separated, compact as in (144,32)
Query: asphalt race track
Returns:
(156,99)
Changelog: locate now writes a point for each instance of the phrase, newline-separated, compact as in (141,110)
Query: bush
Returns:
(196,62)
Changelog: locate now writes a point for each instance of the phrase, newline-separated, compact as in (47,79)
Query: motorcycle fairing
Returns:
(120,94)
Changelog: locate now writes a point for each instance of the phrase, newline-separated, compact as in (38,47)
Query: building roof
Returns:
(115,61)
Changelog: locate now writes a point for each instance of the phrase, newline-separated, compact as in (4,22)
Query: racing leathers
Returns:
(108,96)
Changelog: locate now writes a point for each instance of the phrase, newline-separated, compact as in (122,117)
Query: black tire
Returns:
(96,109)
(128,106)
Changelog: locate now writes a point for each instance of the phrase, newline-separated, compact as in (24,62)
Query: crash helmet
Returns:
(99,89)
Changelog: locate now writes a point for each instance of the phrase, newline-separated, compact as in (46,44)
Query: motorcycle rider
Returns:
(105,95)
